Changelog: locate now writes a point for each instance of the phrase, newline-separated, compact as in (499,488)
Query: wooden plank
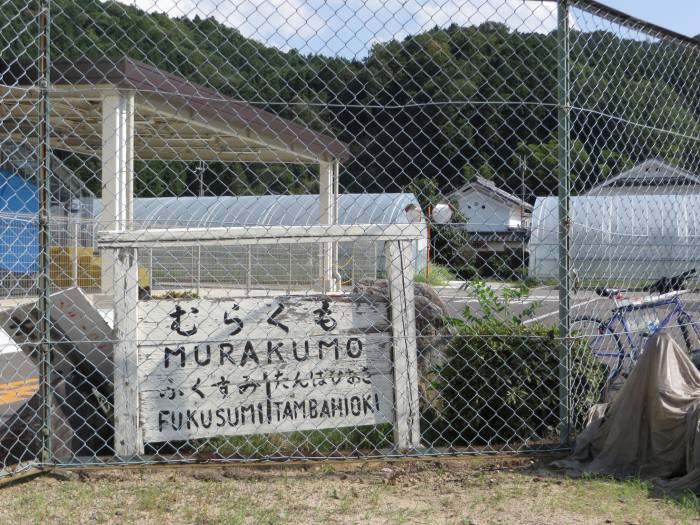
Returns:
(127,437)
(238,236)
(261,365)
(78,320)
(399,267)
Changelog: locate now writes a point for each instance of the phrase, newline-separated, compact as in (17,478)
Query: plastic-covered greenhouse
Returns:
(285,265)
(636,237)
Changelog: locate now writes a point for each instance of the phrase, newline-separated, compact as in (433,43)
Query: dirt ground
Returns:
(476,491)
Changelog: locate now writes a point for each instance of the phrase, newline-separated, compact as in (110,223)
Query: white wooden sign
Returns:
(238,373)
(262,365)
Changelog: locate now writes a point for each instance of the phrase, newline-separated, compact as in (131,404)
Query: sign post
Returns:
(127,437)
(398,255)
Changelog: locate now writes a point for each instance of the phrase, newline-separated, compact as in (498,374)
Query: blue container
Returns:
(19,227)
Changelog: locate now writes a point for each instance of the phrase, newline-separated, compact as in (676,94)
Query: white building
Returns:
(491,209)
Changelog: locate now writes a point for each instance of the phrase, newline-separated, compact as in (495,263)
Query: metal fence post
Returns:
(150,270)
(199,269)
(74,261)
(564,189)
(249,268)
(44,167)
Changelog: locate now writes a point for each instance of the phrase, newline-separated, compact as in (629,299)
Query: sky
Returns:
(682,16)
(349,27)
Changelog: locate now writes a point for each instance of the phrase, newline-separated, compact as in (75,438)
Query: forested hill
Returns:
(443,104)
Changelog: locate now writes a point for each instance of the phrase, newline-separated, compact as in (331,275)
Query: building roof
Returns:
(174,118)
(653,176)
(266,210)
(489,187)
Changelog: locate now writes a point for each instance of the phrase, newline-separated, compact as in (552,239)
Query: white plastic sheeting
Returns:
(266,210)
(634,237)
(288,265)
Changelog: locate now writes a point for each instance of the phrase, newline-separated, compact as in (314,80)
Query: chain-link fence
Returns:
(304,229)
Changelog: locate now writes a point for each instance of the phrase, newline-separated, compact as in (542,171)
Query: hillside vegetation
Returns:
(444,104)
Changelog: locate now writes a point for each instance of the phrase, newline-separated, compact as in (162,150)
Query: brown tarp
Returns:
(651,428)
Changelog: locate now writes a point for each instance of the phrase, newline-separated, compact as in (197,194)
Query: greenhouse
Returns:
(286,265)
(622,237)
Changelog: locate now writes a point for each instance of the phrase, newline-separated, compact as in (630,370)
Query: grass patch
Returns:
(311,442)
(454,491)
(439,275)
(620,499)
(688,501)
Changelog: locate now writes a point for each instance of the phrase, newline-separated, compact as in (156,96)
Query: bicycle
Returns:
(606,343)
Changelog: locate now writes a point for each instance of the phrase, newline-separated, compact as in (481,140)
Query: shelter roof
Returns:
(175,119)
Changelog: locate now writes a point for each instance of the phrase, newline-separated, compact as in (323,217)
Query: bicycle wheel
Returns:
(604,344)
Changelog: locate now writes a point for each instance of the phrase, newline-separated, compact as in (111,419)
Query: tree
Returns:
(486,171)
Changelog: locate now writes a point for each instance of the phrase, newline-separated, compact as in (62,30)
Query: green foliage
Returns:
(687,500)
(439,275)
(448,242)
(486,171)
(500,382)
(469,173)
(426,191)
(541,162)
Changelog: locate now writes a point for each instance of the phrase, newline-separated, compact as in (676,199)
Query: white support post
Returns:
(337,281)
(117,171)
(327,216)
(199,271)
(399,269)
(150,270)
(127,435)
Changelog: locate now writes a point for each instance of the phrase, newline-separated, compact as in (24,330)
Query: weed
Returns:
(439,275)
(688,501)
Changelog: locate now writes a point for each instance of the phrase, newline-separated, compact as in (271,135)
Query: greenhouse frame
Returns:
(624,237)
(284,266)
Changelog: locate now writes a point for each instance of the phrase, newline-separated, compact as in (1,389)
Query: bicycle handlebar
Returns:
(662,286)
(668,284)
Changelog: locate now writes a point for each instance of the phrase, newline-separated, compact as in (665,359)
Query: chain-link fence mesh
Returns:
(289,228)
